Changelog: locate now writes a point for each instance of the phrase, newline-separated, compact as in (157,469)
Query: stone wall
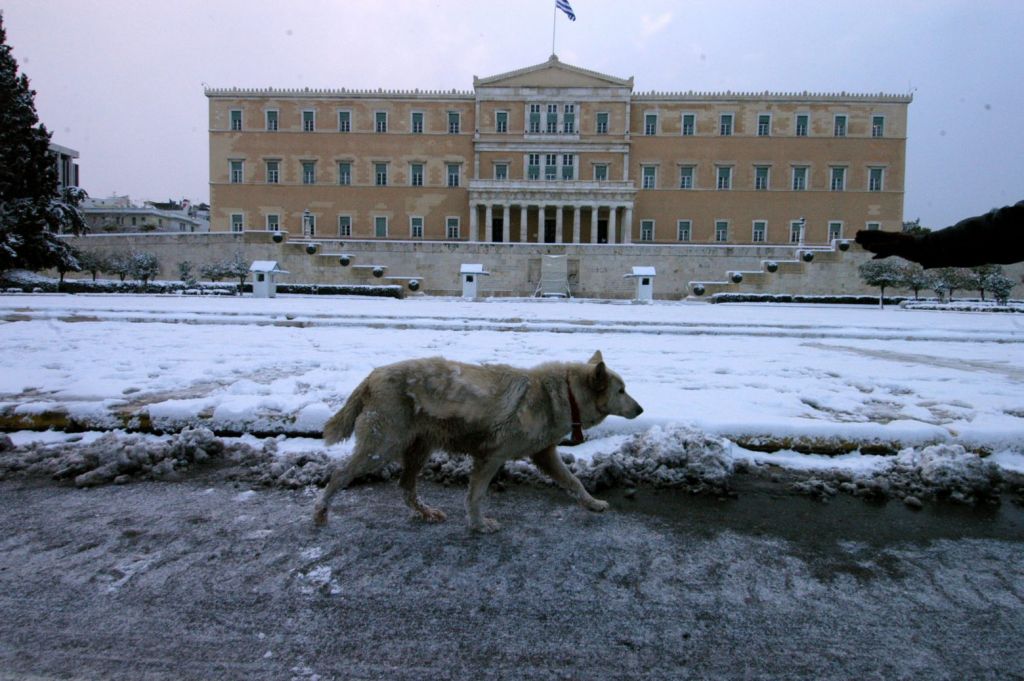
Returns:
(595,270)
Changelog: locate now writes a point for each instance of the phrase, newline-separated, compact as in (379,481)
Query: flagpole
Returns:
(554,20)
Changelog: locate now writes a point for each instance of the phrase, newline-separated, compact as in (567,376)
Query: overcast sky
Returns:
(122,81)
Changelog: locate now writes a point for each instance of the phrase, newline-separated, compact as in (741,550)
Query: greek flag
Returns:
(565,7)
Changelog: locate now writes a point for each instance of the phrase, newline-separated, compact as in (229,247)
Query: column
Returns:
(576,224)
(506,226)
(488,221)
(558,224)
(474,228)
(594,210)
(523,213)
(627,226)
(612,210)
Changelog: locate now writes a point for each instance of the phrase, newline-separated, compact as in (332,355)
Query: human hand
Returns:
(885,244)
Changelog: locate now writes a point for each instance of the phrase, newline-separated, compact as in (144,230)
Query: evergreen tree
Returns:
(32,209)
(915,278)
(881,273)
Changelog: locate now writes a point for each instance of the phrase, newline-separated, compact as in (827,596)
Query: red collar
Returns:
(574,413)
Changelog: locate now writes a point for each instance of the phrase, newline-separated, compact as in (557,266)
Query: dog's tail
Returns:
(340,426)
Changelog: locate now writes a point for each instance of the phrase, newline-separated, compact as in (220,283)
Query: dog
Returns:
(491,412)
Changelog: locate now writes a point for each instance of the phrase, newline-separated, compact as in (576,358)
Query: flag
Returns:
(567,8)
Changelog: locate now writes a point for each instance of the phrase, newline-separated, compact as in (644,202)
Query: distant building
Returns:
(557,154)
(67,169)
(118,214)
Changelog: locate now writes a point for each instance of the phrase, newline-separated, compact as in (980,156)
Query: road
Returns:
(205,579)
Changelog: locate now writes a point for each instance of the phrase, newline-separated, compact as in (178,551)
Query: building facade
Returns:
(557,154)
(117,214)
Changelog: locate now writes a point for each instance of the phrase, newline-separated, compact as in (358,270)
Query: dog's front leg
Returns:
(550,463)
(483,471)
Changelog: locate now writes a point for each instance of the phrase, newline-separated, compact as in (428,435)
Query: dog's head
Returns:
(611,397)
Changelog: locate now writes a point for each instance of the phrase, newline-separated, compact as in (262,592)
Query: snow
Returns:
(823,379)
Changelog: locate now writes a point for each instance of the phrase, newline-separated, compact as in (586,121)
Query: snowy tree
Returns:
(948,280)
(881,273)
(118,264)
(914,227)
(214,271)
(981,276)
(1000,286)
(143,266)
(33,209)
(187,273)
(914,277)
(92,262)
(238,267)
(67,261)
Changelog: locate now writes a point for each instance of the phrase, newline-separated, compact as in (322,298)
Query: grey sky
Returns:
(122,81)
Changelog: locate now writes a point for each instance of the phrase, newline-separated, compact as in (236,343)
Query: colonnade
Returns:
(614,233)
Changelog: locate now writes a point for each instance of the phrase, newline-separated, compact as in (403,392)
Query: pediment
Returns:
(552,73)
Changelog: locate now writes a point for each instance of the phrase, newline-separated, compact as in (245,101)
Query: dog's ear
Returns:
(599,377)
(596,359)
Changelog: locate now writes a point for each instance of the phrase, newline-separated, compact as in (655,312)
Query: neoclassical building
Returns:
(557,154)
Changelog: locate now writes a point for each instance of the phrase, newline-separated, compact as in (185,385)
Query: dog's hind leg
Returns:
(412,462)
(483,471)
(548,461)
(344,473)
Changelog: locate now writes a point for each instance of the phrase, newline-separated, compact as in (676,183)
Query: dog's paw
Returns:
(320,517)
(595,505)
(432,515)
(485,526)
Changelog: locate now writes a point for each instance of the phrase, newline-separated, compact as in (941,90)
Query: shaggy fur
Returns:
(493,413)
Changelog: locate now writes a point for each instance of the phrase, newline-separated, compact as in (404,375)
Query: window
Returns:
(308,120)
(237,222)
(873,226)
(764,125)
(689,124)
(416,174)
(533,167)
(568,166)
(452,228)
(236,119)
(273,172)
(500,171)
(273,222)
(345,225)
(380,227)
(835,231)
(552,119)
(601,172)
(650,177)
(417,122)
(344,173)
(416,227)
(838,181)
(878,126)
(839,128)
(647,230)
(380,171)
(602,122)
(651,124)
(309,172)
(799,178)
(453,122)
(453,174)
(535,118)
(684,230)
(271,120)
(550,166)
(724,177)
(761,175)
(796,232)
(501,121)
(380,121)
(725,125)
(721,230)
(569,119)
(875,177)
(237,172)
(344,121)
(802,121)
(760,231)
(686,177)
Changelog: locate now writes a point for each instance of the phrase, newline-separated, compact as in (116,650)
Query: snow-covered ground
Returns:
(775,377)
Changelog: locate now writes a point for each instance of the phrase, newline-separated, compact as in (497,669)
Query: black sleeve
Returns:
(997,237)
